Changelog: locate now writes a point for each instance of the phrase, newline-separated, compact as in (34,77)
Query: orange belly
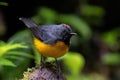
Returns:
(56,50)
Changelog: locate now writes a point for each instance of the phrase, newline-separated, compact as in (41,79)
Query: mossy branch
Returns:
(46,71)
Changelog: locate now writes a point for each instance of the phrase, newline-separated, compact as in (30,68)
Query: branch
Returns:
(46,71)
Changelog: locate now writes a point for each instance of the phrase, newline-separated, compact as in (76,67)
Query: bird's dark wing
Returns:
(44,34)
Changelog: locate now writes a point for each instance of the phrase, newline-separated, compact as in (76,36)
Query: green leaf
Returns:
(11,46)
(17,45)
(13,57)
(18,53)
(88,10)
(2,43)
(111,37)
(43,16)
(77,59)
(5,62)
(92,14)
(4,3)
(111,59)
(21,36)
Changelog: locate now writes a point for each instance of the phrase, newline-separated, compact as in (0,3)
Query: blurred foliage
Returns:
(7,50)
(42,16)
(3,3)
(14,53)
(111,38)
(23,36)
(92,14)
(74,63)
(89,10)
(111,59)
(77,59)
(93,76)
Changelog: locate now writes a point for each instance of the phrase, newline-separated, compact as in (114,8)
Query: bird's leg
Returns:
(58,68)
(42,62)
(42,59)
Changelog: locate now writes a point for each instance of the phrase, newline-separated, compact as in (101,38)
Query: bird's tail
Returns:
(28,22)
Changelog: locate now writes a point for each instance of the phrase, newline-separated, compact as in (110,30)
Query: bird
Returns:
(51,40)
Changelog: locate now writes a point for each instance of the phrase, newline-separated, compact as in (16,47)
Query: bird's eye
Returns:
(63,32)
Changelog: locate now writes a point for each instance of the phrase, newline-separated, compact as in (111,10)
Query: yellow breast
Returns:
(56,50)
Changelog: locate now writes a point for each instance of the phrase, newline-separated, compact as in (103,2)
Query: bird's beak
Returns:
(73,33)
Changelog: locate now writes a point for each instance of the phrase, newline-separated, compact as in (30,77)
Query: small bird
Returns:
(50,40)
